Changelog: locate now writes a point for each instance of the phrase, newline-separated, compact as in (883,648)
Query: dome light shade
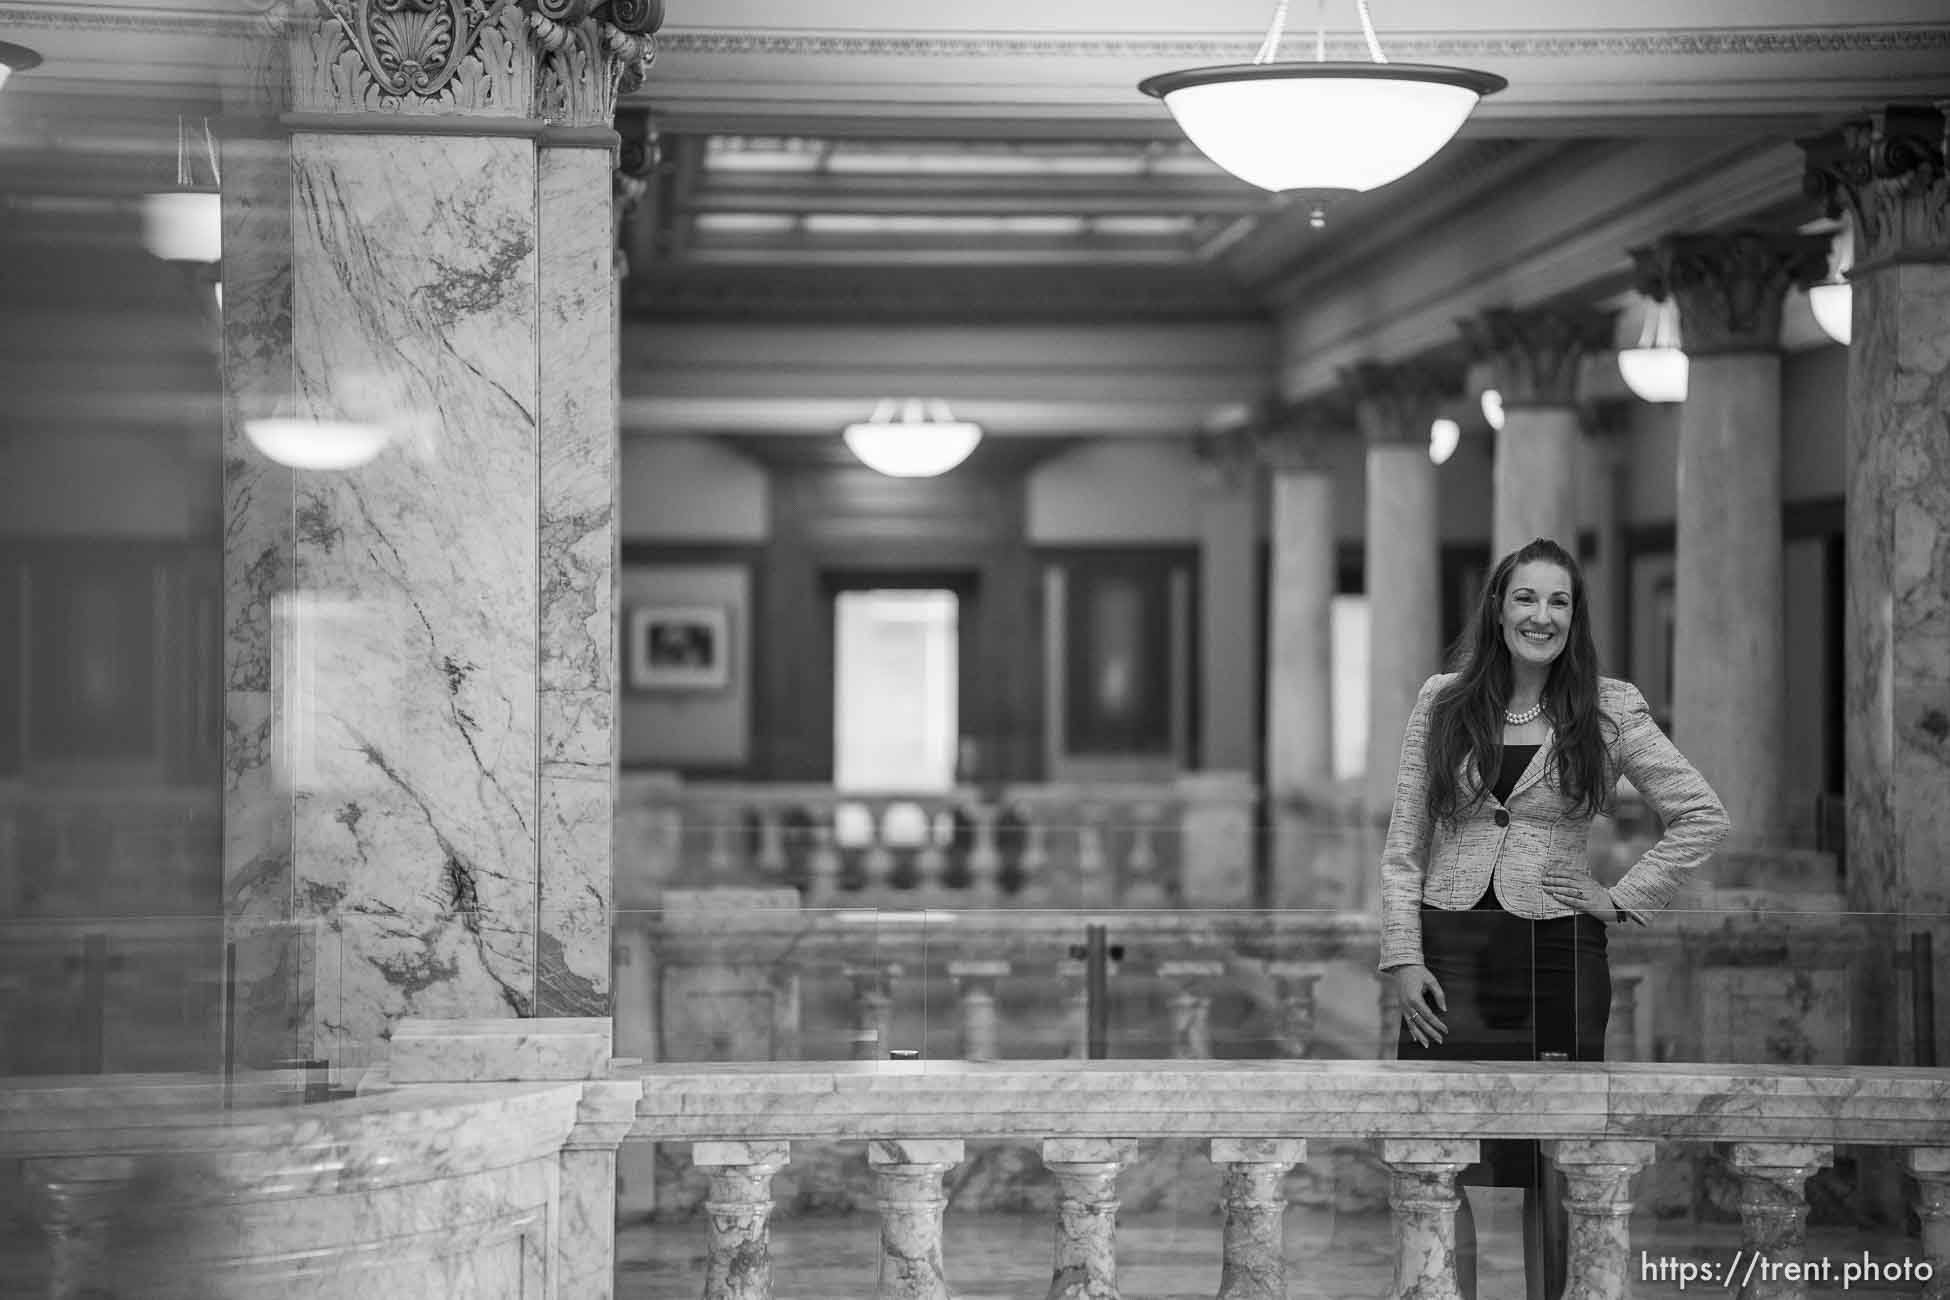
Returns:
(1492,403)
(1834,307)
(1444,435)
(912,439)
(183,226)
(16,58)
(317,444)
(1654,374)
(1321,128)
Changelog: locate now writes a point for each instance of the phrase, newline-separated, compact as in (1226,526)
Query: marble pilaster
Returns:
(1299,650)
(1535,357)
(585,1233)
(738,1265)
(1774,1210)
(1889,171)
(423,639)
(1402,573)
(1254,1240)
(1422,1190)
(1729,700)
(907,1181)
(1086,1170)
(1229,650)
(1598,1177)
(1930,1167)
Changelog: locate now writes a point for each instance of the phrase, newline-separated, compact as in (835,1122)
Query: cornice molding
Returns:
(1909,38)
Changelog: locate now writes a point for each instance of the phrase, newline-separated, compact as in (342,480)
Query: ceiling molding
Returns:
(1906,38)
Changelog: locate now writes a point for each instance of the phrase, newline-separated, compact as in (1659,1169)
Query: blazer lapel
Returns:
(1534,773)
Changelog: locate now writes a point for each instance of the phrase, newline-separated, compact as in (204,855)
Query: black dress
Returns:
(1517,990)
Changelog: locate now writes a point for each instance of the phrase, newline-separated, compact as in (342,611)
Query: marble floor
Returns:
(1175,1257)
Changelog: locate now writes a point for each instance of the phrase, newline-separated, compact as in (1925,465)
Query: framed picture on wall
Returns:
(678,648)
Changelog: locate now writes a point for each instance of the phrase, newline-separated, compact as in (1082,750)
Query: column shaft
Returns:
(908,1178)
(1404,603)
(1536,477)
(1086,1215)
(1228,607)
(1300,681)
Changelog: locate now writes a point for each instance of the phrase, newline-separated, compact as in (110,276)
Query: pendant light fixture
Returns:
(912,438)
(1656,369)
(1833,300)
(16,58)
(1321,130)
(186,224)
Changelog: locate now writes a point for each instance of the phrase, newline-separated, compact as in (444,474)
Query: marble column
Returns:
(419,661)
(1403,580)
(1422,1191)
(1598,1177)
(738,1263)
(1254,1243)
(1889,171)
(1729,655)
(907,1180)
(1086,1172)
(1930,1167)
(1299,657)
(1535,356)
(1774,1211)
(1228,603)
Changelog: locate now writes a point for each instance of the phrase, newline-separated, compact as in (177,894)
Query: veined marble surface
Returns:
(411,623)
(577,711)
(497,1051)
(1340,1099)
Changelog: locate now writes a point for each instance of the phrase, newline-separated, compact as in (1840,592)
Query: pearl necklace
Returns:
(1528,716)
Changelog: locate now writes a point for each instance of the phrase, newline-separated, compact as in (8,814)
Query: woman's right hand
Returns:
(1422,1004)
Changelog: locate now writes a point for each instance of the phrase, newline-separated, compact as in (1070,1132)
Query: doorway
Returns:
(896,688)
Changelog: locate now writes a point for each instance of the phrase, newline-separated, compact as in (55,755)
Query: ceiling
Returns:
(973,201)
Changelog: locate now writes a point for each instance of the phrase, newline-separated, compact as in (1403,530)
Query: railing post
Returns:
(1774,1210)
(1086,1172)
(1598,1175)
(872,1007)
(975,983)
(1254,1252)
(907,1179)
(739,1263)
(1294,985)
(1191,1006)
(1422,1190)
(1930,1167)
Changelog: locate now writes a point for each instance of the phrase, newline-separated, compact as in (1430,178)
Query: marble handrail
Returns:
(1599,1123)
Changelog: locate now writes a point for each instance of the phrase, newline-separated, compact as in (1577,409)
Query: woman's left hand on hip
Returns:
(1576,890)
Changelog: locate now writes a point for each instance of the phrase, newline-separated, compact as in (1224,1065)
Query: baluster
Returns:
(1621,1037)
(1035,891)
(1093,879)
(718,862)
(877,863)
(739,1263)
(1930,1167)
(872,1007)
(771,860)
(1294,985)
(1774,1209)
(1191,1006)
(823,867)
(930,860)
(1422,1189)
(1254,1251)
(984,855)
(975,982)
(1086,1172)
(1598,1180)
(1076,1007)
(907,1184)
(1391,1017)
(1142,887)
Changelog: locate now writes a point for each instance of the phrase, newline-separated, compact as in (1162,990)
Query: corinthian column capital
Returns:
(1889,172)
(1535,354)
(1293,437)
(1730,287)
(563,61)
(1396,404)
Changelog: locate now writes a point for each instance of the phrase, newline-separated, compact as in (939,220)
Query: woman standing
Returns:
(1493,928)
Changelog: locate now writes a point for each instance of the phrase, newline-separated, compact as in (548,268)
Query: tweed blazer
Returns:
(1427,864)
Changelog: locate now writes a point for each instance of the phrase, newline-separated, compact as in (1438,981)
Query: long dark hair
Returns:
(1466,719)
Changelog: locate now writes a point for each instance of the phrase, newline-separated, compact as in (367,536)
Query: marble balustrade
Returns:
(1598,1123)
(1029,845)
